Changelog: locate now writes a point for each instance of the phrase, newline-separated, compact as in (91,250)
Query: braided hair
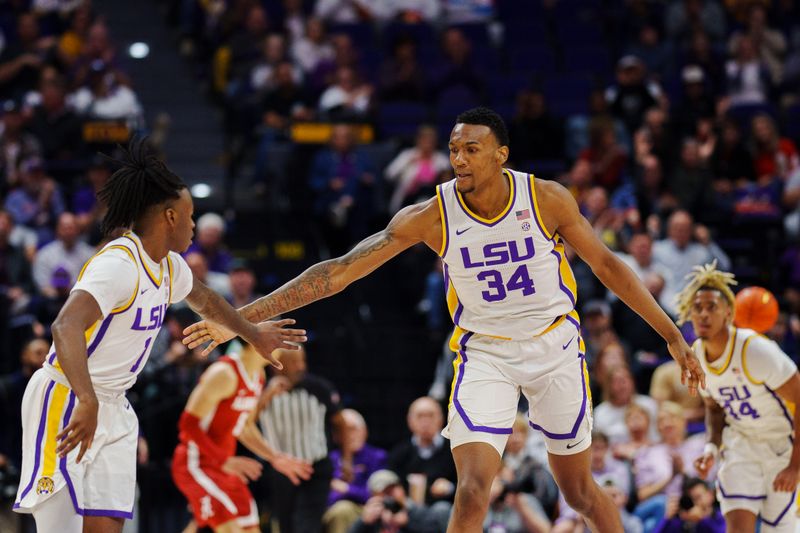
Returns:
(702,278)
(140,182)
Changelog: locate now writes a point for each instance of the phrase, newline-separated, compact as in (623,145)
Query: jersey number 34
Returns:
(499,289)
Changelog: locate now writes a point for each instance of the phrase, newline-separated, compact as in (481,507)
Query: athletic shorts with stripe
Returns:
(490,374)
(744,481)
(214,496)
(104,482)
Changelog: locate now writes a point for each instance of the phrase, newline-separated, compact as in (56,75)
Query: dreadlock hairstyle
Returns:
(140,182)
(705,277)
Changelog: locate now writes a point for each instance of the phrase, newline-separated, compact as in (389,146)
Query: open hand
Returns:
(80,429)
(245,468)
(786,480)
(206,331)
(292,467)
(692,374)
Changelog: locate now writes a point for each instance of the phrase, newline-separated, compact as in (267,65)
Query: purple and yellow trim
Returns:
(581,414)
(39,438)
(739,496)
(570,288)
(744,362)
(443,216)
(502,215)
(727,358)
(169,273)
(156,280)
(454,305)
(62,466)
(782,404)
(535,206)
(459,367)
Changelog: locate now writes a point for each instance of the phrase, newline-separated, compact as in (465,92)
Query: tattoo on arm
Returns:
(317,282)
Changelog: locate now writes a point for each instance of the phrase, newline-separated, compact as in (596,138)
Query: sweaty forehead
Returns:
(464,133)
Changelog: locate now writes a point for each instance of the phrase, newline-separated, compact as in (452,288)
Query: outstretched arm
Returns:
(564,218)
(265,337)
(411,225)
(330,277)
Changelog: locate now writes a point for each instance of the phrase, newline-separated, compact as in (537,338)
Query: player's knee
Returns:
(472,494)
(580,495)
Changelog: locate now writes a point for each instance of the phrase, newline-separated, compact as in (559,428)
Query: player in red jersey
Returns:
(205,467)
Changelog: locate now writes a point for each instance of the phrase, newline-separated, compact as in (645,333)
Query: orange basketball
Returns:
(756,309)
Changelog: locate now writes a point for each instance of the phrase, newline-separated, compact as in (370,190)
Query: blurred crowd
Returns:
(673,123)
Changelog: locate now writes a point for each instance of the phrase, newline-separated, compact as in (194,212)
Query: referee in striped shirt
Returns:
(298,411)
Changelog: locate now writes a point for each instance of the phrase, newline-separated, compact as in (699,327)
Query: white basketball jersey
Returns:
(744,381)
(119,344)
(506,277)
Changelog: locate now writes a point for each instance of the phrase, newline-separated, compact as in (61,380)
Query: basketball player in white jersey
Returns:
(79,431)
(512,296)
(751,388)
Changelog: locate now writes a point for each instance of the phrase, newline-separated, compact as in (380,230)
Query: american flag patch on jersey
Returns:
(522,215)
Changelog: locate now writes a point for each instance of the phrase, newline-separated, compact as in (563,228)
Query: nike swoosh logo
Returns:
(144,291)
(460,231)
(566,345)
(572,445)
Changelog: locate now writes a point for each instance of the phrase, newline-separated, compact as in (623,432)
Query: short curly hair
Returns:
(483,116)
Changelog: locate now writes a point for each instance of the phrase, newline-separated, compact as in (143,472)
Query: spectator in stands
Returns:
(416,171)
(606,221)
(342,179)
(747,79)
(87,207)
(313,48)
(16,290)
(693,511)
(57,128)
(411,11)
(578,180)
(98,47)
(610,356)
(774,156)
(535,133)
(791,203)
(293,20)
(20,237)
(769,43)
(401,76)
(23,57)
(354,461)
(706,56)
(731,162)
(468,11)
(577,126)
(246,44)
(656,54)
(243,283)
(72,41)
(67,252)
(219,282)
(458,71)
(697,102)
(348,98)
(637,420)
(426,452)
(690,181)
(105,98)
(38,202)
(344,11)
(514,511)
(16,145)
(522,472)
(655,137)
(687,16)
(598,327)
(209,241)
(12,387)
(345,54)
(390,509)
(609,474)
(298,411)
(619,394)
(640,259)
(606,156)
(659,470)
(632,94)
(678,254)
(263,75)
(666,386)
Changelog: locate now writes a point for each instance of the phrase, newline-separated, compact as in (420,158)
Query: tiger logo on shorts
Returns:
(45,485)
